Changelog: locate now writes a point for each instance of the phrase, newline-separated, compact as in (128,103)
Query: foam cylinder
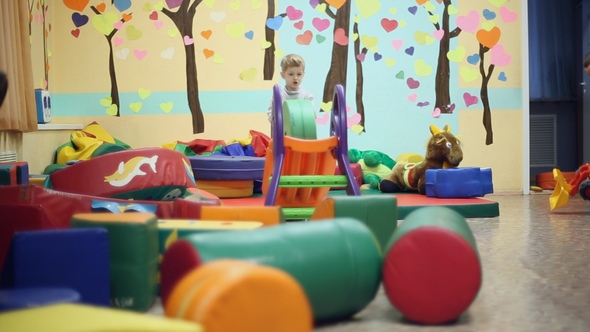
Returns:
(432,270)
(337,263)
(235,295)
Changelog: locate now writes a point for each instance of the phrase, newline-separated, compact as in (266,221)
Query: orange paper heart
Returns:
(206,34)
(127,17)
(336,3)
(208,53)
(421,2)
(488,38)
(100,7)
(77,5)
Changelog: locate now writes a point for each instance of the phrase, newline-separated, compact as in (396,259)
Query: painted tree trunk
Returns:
(114,88)
(269,53)
(360,107)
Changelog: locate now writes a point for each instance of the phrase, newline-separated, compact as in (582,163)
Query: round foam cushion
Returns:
(432,272)
(227,167)
(21,298)
(233,295)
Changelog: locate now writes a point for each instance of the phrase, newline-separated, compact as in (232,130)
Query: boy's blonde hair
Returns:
(292,60)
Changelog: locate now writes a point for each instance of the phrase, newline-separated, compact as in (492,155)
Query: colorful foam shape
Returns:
(219,297)
(216,167)
(77,259)
(145,174)
(379,213)
(268,215)
(340,279)
(432,271)
(356,171)
(133,246)
(227,188)
(459,182)
(16,172)
(23,298)
(70,317)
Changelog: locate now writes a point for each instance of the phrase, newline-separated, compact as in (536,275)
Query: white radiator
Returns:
(7,156)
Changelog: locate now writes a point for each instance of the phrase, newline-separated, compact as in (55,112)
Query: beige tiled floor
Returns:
(536,273)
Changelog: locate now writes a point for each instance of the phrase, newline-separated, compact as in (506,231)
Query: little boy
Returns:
(292,71)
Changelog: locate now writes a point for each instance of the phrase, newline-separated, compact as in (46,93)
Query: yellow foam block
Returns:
(234,295)
(83,318)
(226,188)
(268,215)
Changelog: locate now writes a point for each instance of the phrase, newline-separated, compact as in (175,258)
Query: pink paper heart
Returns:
(438,34)
(507,16)
(117,41)
(397,44)
(140,54)
(188,40)
(323,118)
(294,14)
(412,83)
(469,22)
(298,25)
(348,109)
(498,57)
(413,97)
(436,113)
(353,120)
(158,24)
(469,99)
(118,25)
(340,37)
(320,24)
(361,57)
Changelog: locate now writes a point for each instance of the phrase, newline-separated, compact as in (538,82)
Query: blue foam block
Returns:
(66,258)
(21,298)
(461,182)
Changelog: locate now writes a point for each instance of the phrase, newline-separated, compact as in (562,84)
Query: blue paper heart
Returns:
(249,34)
(413,10)
(502,77)
(473,59)
(377,56)
(274,23)
(488,14)
(122,5)
(79,19)
(410,50)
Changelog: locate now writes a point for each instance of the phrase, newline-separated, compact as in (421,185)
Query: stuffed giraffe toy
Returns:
(442,151)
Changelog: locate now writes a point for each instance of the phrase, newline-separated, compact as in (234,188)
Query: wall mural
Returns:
(38,15)
(362,30)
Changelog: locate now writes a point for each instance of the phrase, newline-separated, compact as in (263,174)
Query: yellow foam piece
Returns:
(234,295)
(83,318)
(268,215)
(188,224)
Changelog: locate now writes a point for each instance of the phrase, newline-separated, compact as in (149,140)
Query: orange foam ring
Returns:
(303,157)
(267,215)
(234,295)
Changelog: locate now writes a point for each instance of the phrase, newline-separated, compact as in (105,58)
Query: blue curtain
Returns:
(553,63)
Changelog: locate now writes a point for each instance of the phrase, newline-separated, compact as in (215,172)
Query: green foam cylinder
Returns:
(337,262)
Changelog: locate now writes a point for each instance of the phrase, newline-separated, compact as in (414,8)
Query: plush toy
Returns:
(374,164)
(443,150)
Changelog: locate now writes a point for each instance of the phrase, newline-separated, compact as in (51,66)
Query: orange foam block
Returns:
(268,215)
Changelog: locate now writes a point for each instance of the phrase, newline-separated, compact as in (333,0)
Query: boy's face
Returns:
(587,69)
(293,77)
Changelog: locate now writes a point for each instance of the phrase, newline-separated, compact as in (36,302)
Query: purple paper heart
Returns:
(79,19)
(314,3)
(377,56)
(413,10)
(412,83)
(410,50)
(173,3)
(452,108)
(423,103)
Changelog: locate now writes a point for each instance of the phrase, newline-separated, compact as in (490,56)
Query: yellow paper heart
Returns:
(147,7)
(209,3)
(423,38)
(488,25)
(256,4)
(468,74)
(106,102)
(235,30)
(368,8)
(402,23)
(390,62)
(265,44)
(497,3)
(249,75)
(159,5)
(49,54)
(326,107)
(112,110)
(456,55)
(143,93)
(279,53)
(354,36)
(452,10)
(167,107)
(370,42)
(172,32)
(393,10)
(357,129)
(434,18)
(104,23)
(133,33)
(135,107)
(235,5)
(428,6)
(356,19)
(217,58)
(421,68)
(321,8)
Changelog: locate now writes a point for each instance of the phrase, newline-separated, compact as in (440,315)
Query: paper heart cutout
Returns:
(336,3)
(389,25)
(101,7)
(358,129)
(473,59)
(438,34)
(436,113)
(154,16)
(249,75)
(173,3)
(423,38)
(160,5)
(158,25)
(348,109)
(235,30)
(507,16)
(135,107)
(497,3)
(323,118)
(208,53)
(321,8)
(326,107)
(77,5)
(118,25)
(488,38)
(206,34)
(168,53)
(122,54)
(279,53)
(434,18)
(469,99)
(133,33)
(488,14)
(413,10)
(368,8)
(389,62)
(499,57)
(140,54)
(79,19)
(320,24)
(106,101)
(265,44)
(274,23)
(469,22)
(75,33)
(208,3)
(452,10)
(143,93)
(412,83)
(294,14)
(353,120)
(167,107)
(400,75)
(488,25)
(256,4)
(147,7)
(423,103)
(217,16)
(422,68)
(298,25)
(112,110)
(105,23)
(320,39)
(304,38)
(397,44)
(377,56)
(502,77)
(235,5)
(172,32)
(370,42)
(410,50)
(340,37)
(413,97)
(456,55)
(354,36)
(468,74)
(249,35)
(361,57)
(217,59)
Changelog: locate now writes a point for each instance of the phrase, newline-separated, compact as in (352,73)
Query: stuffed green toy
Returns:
(374,164)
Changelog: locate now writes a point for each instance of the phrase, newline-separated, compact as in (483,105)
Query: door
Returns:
(584,86)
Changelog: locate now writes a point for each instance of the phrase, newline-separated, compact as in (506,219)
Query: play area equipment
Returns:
(432,271)
(564,189)
(459,182)
(299,169)
(339,279)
